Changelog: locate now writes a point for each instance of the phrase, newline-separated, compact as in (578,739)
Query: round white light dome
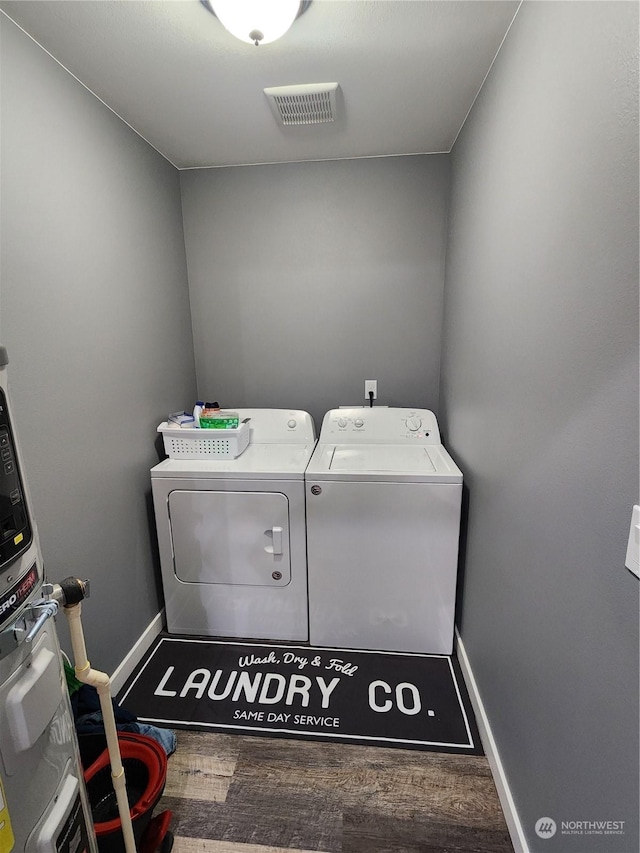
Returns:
(252,21)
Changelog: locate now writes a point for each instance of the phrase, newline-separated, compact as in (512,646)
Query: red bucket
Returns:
(145,766)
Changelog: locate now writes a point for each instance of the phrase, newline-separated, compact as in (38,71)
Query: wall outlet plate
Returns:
(370,385)
(633,546)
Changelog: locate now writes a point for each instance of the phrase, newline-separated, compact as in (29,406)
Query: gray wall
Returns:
(540,407)
(308,278)
(95,317)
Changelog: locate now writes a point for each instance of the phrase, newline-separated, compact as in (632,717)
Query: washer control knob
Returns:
(358,422)
(292,424)
(414,424)
(342,422)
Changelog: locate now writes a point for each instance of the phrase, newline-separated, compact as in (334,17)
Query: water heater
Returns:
(43,801)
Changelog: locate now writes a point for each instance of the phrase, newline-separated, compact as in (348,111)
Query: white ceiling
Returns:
(409,71)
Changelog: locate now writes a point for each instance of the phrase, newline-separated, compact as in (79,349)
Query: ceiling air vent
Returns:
(310,103)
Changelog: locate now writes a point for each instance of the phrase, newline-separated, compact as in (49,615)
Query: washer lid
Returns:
(259,461)
(376,457)
(425,464)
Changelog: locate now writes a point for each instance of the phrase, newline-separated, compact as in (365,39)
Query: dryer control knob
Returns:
(414,424)
(342,422)
(292,424)
(358,422)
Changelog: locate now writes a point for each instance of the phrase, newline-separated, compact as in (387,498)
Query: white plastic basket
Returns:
(204,443)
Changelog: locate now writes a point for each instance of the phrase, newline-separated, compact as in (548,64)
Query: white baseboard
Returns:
(491,750)
(130,662)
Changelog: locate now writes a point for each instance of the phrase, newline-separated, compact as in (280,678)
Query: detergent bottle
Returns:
(197,411)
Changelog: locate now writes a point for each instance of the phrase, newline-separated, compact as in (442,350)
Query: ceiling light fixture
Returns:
(256,21)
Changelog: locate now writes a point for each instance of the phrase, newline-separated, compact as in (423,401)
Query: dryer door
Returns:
(230,537)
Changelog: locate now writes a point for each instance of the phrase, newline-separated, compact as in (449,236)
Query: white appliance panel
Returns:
(375,457)
(265,461)
(33,699)
(382,565)
(276,611)
(347,463)
(222,537)
(279,426)
(40,770)
(383,521)
(379,425)
(232,537)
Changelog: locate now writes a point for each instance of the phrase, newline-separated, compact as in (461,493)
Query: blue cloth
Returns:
(165,737)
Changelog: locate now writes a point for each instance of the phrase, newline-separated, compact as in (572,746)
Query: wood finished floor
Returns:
(236,794)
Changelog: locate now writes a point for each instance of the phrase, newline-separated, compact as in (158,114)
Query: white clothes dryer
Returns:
(383,522)
(231,534)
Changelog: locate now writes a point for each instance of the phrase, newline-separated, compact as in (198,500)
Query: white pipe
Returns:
(102,683)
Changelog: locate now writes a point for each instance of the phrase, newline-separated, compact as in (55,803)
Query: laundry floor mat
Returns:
(388,699)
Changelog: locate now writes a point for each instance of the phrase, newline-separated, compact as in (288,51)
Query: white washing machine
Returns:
(232,536)
(383,523)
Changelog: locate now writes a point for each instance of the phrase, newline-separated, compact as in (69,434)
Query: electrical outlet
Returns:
(370,385)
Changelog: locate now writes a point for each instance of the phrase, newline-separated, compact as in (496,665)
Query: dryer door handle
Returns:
(276,548)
